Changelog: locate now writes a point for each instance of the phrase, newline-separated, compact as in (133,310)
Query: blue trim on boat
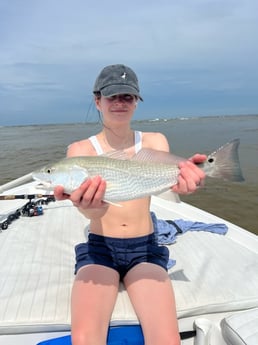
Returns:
(117,335)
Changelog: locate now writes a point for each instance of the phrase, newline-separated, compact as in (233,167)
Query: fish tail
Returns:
(224,163)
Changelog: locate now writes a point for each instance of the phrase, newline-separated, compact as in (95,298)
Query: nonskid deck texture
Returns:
(214,275)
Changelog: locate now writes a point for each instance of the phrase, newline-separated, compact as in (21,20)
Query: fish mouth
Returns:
(43,181)
(44,185)
(41,177)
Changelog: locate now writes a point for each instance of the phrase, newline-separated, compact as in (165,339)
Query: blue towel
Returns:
(167,232)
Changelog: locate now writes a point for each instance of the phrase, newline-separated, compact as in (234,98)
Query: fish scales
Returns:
(129,179)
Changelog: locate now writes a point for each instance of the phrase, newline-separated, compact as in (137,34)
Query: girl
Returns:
(121,243)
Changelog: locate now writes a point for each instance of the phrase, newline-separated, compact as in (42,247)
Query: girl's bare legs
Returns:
(152,296)
(93,297)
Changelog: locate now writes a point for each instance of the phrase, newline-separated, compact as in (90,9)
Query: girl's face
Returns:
(117,108)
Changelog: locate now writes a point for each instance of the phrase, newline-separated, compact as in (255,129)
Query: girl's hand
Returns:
(89,195)
(191,177)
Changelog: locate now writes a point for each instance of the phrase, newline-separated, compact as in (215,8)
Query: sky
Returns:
(192,57)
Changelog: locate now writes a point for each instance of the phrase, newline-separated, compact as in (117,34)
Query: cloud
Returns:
(51,52)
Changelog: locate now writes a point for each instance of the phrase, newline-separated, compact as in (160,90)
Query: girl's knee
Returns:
(84,337)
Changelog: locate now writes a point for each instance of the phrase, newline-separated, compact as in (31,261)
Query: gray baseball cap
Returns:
(116,80)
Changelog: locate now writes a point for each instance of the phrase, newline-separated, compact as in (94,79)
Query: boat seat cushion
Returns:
(241,328)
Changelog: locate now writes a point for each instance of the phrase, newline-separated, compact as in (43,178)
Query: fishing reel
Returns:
(34,207)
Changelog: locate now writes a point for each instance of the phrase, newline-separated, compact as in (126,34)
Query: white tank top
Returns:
(137,142)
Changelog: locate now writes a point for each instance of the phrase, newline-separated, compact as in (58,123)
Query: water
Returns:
(25,148)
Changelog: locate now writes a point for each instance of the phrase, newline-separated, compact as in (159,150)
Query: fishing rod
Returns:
(25,196)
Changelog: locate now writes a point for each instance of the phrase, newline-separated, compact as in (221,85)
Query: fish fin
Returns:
(224,163)
(155,156)
(116,154)
(170,196)
(112,203)
(109,186)
(146,155)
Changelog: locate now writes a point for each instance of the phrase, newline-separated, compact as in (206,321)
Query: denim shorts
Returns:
(120,254)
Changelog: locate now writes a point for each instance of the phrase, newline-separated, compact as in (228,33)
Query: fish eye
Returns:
(50,170)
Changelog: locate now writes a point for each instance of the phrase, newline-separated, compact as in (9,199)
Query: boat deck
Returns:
(214,276)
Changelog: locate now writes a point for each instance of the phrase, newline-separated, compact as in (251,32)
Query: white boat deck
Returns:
(214,275)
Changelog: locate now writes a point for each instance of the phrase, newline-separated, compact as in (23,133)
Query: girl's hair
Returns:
(97,94)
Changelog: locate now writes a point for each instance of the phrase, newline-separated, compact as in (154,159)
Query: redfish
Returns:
(149,172)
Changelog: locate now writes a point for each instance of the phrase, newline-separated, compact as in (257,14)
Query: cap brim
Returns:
(113,90)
